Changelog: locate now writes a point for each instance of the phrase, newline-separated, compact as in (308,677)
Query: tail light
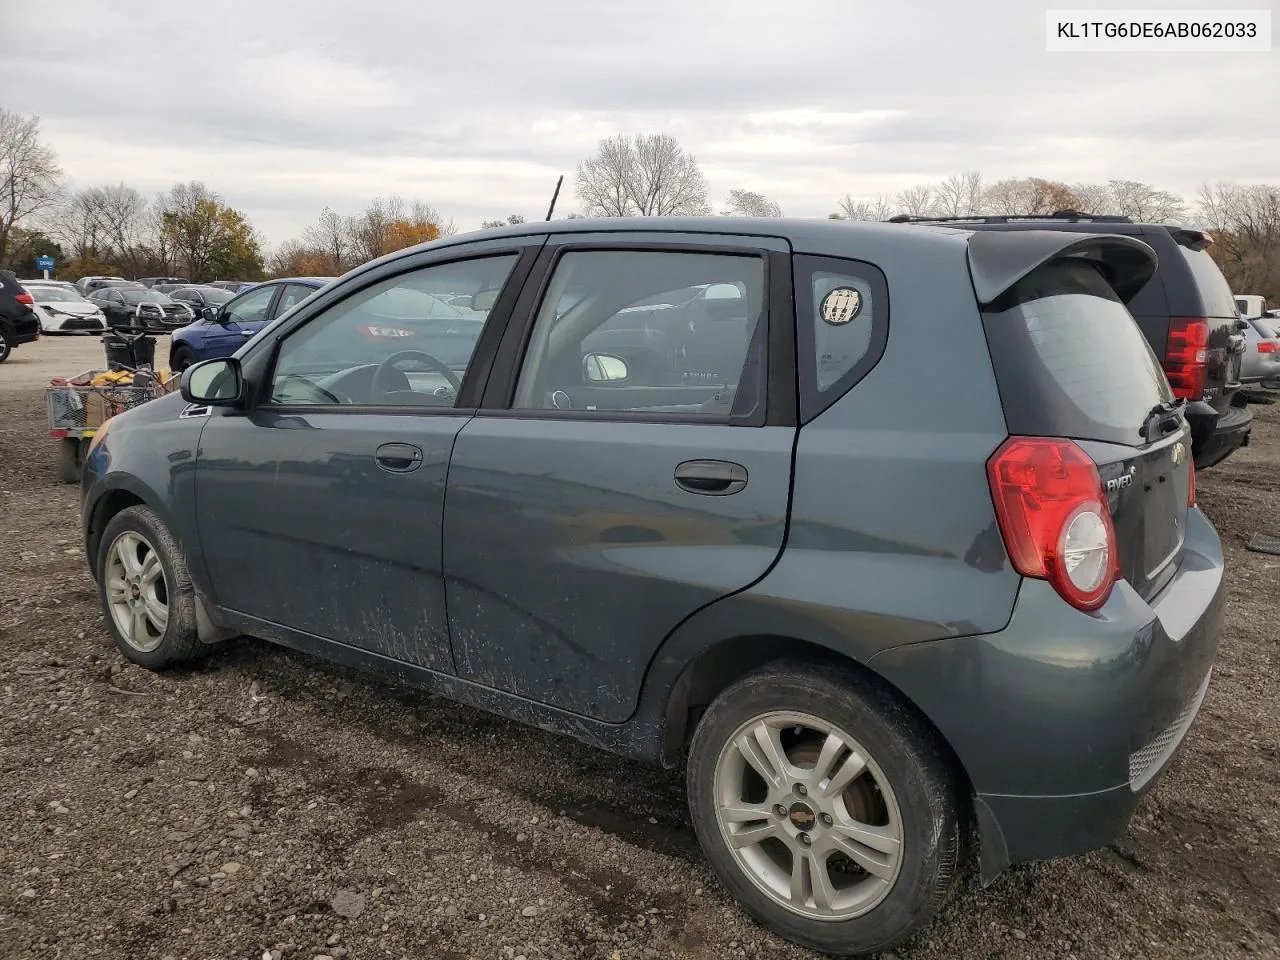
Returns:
(1054,518)
(1266,346)
(1186,356)
(382,332)
(25,298)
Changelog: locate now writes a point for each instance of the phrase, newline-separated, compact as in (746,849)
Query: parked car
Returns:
(64,284)
(221,330)
(199,297)
(1262,354)
(902,537)
(235,286)
(1251,306)
(1186,311)
(63,310)
(140,308)
(154,281)
(87,285)
(18,321)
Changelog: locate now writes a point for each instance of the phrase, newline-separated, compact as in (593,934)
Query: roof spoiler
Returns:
(999,259)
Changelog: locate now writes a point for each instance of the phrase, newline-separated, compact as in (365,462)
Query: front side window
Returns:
(252,307)
(663,333)
(397,342)
(294,293)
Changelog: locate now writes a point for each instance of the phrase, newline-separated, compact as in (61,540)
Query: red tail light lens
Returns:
(24,298)
(383,332)
(1266,346)
(1186,356)
(1054,517)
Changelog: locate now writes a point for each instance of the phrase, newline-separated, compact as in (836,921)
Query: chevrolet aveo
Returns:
(889,537)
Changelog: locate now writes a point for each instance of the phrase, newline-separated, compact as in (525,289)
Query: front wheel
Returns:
(5,348)
(146,591)
(825,807)
(180,358)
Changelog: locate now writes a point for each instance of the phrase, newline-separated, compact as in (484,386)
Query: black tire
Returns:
(5,349)
(71,457)
(179,642)
(912,760)
(181,358)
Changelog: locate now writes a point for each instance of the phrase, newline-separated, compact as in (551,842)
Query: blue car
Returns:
(221,331)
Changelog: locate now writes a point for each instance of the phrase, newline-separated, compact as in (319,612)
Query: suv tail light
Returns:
(1266,346)
(1186,356)
(24,298)
(1054,517)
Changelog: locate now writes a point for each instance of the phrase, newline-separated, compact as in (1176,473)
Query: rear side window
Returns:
(1069,359)
(1212,285)
(842,322)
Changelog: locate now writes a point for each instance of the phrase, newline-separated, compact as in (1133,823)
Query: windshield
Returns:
(54,295)
(143,296)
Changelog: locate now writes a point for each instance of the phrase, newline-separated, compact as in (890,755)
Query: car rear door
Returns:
(239,319)
(630,464)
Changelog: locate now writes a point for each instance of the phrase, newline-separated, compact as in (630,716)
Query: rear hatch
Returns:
(1071,363)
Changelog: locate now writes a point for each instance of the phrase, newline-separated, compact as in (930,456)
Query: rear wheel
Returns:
(180,358)
(826,807)
(71,456)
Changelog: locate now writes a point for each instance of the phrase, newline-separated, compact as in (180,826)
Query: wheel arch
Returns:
(101,513)
(718,665)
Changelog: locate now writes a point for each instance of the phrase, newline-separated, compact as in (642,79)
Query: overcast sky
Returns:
(285,106)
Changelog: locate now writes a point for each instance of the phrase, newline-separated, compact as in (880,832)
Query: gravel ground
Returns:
(268,804)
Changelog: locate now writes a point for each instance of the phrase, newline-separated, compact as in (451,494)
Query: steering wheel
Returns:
(380,375)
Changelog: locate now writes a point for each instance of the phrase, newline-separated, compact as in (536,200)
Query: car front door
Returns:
(238,320)
(321,505)
(631,462)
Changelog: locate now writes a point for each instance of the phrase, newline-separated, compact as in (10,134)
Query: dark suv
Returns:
(790,502)
(1187,313)
(18,321)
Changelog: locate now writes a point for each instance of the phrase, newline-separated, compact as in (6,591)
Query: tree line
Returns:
(189,230)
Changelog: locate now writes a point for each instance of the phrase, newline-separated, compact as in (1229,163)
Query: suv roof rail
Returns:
(1072,215)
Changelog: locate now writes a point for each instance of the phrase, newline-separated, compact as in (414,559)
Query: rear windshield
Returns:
(1069,359)
(1213,287)
(1264,328)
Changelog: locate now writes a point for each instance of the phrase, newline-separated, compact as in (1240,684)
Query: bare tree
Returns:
(748,203)
(330,236)
(121,212)
(1030,196)
(879,208)
(1092,197)
(959,195)
(1144,203)
(1244,221)
(29,173)
(917,201)
(648,175)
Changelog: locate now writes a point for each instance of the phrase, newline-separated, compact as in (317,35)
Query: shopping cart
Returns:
(79,406)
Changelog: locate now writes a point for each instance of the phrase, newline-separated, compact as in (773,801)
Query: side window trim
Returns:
(478,368)
(779,382)
(813,401)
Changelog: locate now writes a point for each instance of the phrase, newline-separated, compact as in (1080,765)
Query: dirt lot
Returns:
(267,803)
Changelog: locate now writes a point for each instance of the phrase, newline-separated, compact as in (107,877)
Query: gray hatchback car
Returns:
(888,536)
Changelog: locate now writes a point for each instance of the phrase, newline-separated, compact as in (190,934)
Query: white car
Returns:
(62,310)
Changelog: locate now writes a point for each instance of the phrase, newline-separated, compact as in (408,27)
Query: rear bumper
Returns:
(1211,443)
(22,335)
(1064,719)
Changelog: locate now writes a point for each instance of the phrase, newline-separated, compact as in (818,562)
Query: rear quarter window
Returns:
(1211,284)
(842,324)
(1069,359)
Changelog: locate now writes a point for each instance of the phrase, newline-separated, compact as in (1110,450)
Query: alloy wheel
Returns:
(808,816)
(137,594)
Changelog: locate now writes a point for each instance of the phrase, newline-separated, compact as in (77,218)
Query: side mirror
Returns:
(209,313)
(216,382)
(603,368)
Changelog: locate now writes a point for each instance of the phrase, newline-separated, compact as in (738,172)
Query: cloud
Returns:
(289,106)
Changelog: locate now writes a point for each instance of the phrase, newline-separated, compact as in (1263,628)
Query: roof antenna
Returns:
(555,196)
